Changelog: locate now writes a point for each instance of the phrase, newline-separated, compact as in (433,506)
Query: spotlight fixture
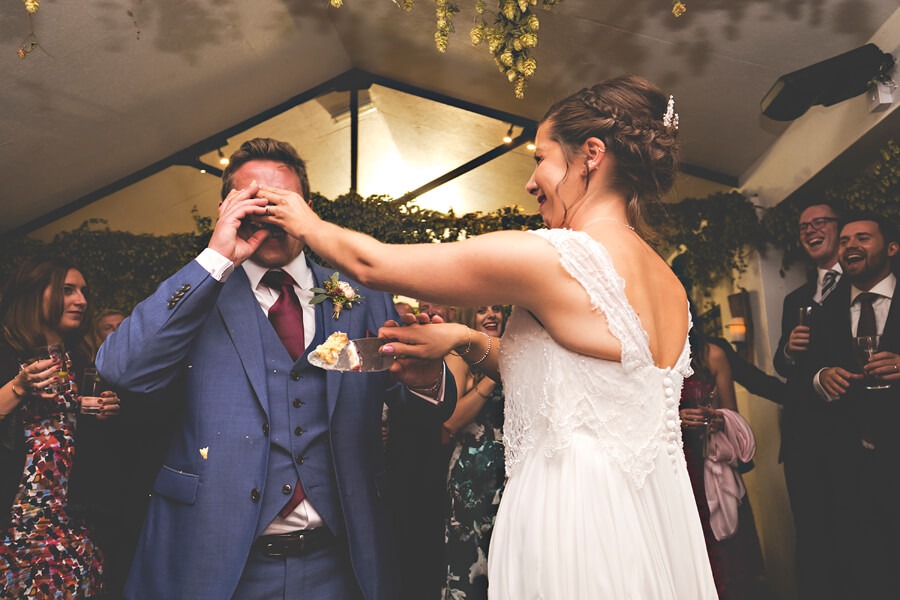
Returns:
(507,139)
(223,160)
(203,170)
(531,146)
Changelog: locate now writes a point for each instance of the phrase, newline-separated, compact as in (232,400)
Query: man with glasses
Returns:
(805,451)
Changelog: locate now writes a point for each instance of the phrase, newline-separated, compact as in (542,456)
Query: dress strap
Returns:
(590,264)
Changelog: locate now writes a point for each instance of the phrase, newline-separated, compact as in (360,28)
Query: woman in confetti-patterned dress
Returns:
(44,552)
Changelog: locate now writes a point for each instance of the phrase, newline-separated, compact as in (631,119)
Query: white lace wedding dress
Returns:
(598,504)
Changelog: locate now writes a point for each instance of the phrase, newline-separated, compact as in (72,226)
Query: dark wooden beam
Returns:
(526,136)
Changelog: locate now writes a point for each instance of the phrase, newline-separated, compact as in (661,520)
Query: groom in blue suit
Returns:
(274,484)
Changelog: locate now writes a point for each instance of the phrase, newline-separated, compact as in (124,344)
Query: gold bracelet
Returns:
(16,393)
(486,352)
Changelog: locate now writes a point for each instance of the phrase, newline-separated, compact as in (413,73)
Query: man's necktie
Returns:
(286,317)
(866,325)
(828,283)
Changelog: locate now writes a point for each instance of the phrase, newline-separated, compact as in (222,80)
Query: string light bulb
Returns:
(223,160)
(507,139)
(531,146)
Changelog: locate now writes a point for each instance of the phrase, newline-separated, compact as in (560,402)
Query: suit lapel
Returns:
(890,337)
(237,305)
(344,323)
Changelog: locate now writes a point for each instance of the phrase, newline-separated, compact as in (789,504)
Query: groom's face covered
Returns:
(279,248)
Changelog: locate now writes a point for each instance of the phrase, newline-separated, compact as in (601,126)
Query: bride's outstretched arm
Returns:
(419,339)
(509,267)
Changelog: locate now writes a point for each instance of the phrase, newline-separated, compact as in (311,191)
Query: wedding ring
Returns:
(267,210)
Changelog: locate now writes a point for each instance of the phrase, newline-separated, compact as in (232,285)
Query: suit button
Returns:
(185,287)
(300,459)
(287,489)
(295,375)
(298,431)
(298,402)
(254,494)
(265,429)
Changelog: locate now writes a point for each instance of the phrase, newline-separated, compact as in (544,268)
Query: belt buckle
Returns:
(268,551)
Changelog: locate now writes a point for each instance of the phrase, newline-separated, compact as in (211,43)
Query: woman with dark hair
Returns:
(707,407)
(44,552)
(598,502)
(476,473)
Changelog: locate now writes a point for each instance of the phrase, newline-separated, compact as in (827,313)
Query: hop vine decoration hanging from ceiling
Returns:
(510,33)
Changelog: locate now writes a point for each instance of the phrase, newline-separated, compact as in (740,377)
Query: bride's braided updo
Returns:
(627,114)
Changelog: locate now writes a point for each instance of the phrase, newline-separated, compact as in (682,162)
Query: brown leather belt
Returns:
(297,543)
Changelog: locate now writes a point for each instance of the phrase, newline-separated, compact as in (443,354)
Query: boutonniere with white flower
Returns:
(341,294)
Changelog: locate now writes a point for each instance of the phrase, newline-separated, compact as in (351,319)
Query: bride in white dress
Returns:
(598,502)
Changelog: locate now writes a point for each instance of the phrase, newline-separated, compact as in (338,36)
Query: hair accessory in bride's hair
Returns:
(670,119)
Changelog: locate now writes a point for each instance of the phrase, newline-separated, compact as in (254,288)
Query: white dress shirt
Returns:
(881,304)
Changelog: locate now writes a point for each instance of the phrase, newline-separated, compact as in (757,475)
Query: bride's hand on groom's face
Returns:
(287,209)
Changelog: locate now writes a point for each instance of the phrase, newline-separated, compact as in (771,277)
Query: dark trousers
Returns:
(878,545)
(822,484)
(325,574)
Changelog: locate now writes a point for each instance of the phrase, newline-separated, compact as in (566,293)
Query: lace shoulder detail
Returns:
(683,364)
(589,263)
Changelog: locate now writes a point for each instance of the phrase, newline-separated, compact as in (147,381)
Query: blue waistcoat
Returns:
(298,431)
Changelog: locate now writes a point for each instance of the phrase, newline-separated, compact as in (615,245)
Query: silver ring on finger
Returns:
(267,210)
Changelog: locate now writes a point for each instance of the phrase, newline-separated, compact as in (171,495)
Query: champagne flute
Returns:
(697,397)
(704,401)
(864,347)
(804,315)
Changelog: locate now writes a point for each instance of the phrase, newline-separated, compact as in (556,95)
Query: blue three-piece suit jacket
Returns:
(262,420)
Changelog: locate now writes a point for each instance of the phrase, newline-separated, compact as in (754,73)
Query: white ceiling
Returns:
(107,94)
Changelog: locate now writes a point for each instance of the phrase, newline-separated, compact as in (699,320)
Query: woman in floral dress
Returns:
(476,473)
(44,553)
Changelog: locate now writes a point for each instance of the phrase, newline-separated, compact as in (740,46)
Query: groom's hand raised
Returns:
(237,246)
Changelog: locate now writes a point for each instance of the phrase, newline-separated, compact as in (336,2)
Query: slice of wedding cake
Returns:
(329,351)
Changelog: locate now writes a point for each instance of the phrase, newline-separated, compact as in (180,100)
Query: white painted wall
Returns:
(819,136)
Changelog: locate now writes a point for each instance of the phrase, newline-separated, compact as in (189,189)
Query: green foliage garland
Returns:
(714,235)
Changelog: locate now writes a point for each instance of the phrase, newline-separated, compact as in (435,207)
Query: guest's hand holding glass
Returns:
(798,342)
(40,378)
(880,368)
(96,399)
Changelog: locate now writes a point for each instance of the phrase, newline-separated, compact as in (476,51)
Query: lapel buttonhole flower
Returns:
(341,294)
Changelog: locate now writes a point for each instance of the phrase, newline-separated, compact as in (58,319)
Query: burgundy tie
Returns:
(286,317)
